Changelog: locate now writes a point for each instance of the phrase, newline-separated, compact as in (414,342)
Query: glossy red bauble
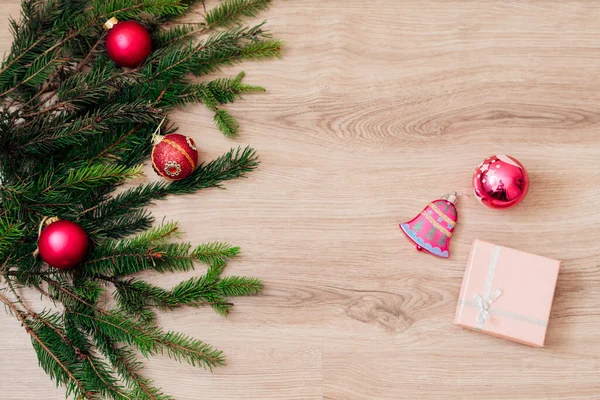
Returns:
(63,244)
(500,181)
(128,44)
(175,156)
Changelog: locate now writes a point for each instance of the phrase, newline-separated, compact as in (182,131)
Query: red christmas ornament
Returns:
(500,181)
(174,156)
(432,229)
(63,244)
(127,43)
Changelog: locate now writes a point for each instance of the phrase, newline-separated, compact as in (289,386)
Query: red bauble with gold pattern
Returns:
(500,181)
(128,43)
(63,244)
(174,156)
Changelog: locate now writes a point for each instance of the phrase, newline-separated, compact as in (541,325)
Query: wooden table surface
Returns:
(375,109)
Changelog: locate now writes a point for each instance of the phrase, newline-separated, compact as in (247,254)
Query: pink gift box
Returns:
(507,293)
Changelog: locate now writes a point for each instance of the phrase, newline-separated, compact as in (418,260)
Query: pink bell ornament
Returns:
(432,229)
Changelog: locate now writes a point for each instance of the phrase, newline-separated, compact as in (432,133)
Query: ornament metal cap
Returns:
(110,23)
(432,228)
(451,197)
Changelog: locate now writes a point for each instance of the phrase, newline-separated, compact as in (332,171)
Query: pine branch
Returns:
(231,11)
(93,176)
(215,253)
(227,90)
(135,296)
(123,10)
(176,34)
(226,123)
(50,358)
(129,368)
(10,233)
(234,286)
(102,378)
(120,226)
(143,335)
(149,339)
(62,133)
(73,128)
(234,164)
(192,351)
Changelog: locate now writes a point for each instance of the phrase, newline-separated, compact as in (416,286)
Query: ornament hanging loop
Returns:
(453,196)
(156,136)
(45,222)
(108,25)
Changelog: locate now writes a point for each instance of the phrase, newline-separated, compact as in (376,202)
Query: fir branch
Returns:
(119,226)
(149,339)
(41,69)
(93,176)
(234,286)
(179,33)
(74,127)
(12,59)
(215,253)
(260,50)
(234,164)
(101,377)
(129,368)
(10,233)
(194,291)
(226,90)
(115,145)
(193,351)
(231,11)
(63,133)
(220,48)
(237,163)
(123,10)
(64,294)
(49,360)
(125,258)
(226,123)
(134,297)
(98,377)
(143,335)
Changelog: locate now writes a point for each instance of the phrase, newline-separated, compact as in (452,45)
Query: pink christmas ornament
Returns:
(432,229)
(500,181)
(63,244)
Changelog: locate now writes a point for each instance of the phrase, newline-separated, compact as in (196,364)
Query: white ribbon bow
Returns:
(483,304)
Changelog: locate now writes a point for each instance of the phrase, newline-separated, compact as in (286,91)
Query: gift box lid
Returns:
(507,293)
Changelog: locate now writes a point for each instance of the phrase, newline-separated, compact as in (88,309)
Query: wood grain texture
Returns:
(375,109)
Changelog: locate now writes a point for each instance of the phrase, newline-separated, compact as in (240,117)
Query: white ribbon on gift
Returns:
(483,304)
(484,301)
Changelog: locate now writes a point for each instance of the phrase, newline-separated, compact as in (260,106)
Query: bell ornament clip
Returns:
(432,229)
